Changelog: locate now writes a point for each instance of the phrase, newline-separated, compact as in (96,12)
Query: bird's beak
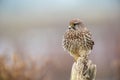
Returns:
(69,27)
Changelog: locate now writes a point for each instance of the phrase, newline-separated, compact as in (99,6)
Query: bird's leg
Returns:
(76,56)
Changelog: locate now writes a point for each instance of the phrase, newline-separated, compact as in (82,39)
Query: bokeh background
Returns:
(31,34)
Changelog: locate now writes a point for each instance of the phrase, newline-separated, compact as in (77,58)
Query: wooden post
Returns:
(83,69)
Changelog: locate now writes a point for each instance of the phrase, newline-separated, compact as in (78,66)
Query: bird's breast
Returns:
(72,41)
(72,34)
(76,41)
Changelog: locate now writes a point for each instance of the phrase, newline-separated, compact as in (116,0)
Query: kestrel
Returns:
(77,40)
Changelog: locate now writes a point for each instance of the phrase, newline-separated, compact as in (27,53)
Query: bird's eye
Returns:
(74,24)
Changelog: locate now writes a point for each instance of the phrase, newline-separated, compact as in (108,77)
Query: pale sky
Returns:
(21,7)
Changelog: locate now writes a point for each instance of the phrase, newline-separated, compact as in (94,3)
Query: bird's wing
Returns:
(88,38)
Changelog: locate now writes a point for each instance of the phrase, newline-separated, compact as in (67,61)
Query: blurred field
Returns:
(31,34)
(19,68)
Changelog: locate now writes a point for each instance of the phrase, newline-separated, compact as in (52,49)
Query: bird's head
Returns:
(75,23)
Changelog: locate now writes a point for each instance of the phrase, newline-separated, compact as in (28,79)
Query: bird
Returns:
(77,40)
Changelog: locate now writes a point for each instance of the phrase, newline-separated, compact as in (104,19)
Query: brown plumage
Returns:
(77,39)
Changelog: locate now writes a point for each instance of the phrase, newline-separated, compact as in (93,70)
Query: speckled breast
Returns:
(75,41)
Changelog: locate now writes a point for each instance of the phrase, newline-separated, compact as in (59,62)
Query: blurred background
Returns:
(31,34)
